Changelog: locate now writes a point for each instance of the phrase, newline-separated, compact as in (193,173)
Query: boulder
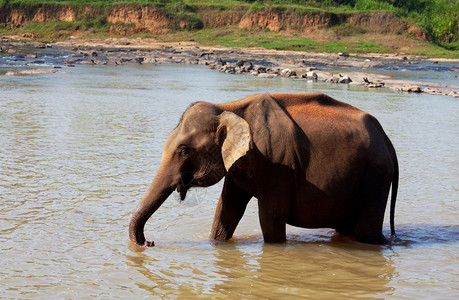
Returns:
(244,63)
(267,75)
(204,62)
(411,89)
(310,75)
(260,69)
(273,71)
(139,60)
(228,69)
(378,84)
(287,73)
(335,79)
(345,79)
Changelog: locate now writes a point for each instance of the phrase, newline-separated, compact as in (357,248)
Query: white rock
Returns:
(311,74)
(266,75)
(345,79)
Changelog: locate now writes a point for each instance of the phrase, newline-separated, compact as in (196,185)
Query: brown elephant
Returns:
(310,160)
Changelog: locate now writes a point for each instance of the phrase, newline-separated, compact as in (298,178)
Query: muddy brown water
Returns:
(79,149)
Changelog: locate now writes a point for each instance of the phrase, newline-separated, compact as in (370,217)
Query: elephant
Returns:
(310,160)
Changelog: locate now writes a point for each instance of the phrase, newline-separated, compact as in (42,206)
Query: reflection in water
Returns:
(303,269)
(78,151)
(252,269)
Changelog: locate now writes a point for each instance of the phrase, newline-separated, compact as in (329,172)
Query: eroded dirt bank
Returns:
(150,18)
(337,68)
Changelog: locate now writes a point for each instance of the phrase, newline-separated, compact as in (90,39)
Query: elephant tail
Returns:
(394,195)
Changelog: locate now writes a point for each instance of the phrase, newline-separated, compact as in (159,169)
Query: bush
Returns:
(97,23)
(440,20)
(373,5)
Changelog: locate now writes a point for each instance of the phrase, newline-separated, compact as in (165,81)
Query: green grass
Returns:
(58,30)
(50,31)
(235,37)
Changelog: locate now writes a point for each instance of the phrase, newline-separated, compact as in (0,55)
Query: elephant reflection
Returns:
(309,270)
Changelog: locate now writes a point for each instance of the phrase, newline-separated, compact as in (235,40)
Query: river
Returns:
(78,150)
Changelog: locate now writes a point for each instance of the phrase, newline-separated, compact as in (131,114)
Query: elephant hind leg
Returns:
(368,228)
(344,230)
(375,237)
(371,209)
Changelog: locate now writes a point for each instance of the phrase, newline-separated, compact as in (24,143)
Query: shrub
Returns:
(440,19)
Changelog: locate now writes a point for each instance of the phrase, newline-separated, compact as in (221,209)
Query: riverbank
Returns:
(348,26)
(369,70)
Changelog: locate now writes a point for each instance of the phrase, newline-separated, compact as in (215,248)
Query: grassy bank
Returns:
(438,18)
(359,44)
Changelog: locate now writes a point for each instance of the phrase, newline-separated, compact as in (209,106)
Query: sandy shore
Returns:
(339,68)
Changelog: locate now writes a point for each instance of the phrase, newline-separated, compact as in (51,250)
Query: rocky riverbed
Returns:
(371,71)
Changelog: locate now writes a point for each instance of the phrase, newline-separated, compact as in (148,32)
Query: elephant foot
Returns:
(145,245)
(149,244)
(220,234)
(375,239)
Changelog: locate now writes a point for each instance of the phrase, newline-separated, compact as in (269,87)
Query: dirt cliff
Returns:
(277,20)
(309,21)
(149,18)
(214,17)
(144,18)
(18,16)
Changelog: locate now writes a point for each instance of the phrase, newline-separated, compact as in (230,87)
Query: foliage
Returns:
(373,5)
(440,19)
(98,22)
(256,6)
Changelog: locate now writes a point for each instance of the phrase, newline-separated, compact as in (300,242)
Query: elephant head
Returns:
(198,152)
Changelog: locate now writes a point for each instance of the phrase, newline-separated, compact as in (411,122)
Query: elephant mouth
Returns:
(182,190)
(184,185)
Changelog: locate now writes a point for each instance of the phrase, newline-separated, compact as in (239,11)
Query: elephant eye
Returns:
(184,151)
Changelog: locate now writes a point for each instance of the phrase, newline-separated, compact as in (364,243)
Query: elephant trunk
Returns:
(157,193)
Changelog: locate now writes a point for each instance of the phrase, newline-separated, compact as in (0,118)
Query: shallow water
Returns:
(79,149)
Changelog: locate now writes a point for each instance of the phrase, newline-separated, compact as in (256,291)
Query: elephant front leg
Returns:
(273,221)
(230,209)
(274,208)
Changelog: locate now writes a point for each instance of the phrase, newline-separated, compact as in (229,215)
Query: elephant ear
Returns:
(276,135)
(233,134)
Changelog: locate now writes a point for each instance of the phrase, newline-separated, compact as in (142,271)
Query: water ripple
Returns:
(78,151)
